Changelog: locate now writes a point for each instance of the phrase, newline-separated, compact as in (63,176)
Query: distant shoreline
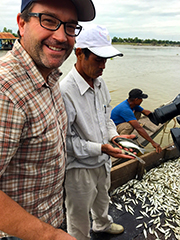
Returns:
(146,44)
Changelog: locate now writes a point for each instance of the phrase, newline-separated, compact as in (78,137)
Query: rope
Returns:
(164,130)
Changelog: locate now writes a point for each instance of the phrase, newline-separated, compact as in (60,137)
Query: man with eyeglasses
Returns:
(33,120)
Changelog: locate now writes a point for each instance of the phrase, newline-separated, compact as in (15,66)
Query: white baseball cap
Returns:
(98,41)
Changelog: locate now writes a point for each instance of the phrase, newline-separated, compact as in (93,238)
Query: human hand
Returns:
(157,147)
(114,152)
(132,136)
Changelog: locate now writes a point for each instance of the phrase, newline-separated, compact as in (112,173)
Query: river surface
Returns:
(155,70)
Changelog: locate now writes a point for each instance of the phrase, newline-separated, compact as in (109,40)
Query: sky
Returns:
(145,19)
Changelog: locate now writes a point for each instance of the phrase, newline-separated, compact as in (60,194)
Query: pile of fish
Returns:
(158,194)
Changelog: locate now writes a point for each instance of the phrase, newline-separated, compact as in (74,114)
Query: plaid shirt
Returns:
(33,125)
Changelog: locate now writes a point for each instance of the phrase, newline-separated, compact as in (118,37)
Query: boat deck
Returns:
(129,223)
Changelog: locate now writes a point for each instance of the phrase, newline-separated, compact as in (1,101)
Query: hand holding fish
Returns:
(126,142)
(115,152)
(115,142)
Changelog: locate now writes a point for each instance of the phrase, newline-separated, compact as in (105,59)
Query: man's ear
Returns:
(21,24)
(79,53)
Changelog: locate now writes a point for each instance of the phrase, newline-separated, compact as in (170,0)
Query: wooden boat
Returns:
(122,173)
(124,170)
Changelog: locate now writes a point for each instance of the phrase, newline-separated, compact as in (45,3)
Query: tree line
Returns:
(10,31)
(136,40)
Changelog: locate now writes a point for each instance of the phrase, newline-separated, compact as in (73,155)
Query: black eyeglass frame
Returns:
(39,15)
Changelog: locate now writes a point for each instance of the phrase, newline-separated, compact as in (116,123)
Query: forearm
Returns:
(82,149)
(146,112)
(144,134)
(135,124)
(15,221)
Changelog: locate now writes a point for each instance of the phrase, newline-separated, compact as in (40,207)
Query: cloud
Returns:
(8,13)
(144,19)
(123,18)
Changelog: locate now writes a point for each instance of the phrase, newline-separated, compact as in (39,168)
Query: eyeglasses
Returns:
(52,23)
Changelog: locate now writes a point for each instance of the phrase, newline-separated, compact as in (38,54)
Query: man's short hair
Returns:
(85,51)
(25,15)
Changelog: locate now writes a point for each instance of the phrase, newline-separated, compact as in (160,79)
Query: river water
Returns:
(155,70)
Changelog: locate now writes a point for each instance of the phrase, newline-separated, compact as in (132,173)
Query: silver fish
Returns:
(133,155)
(160,186)
(128,143)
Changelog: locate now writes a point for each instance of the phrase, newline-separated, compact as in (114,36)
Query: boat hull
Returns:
(122,173)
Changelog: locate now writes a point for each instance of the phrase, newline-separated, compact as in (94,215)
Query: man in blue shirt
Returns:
(126,114)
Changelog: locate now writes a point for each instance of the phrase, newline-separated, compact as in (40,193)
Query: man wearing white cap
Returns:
(33,120)
(87,102)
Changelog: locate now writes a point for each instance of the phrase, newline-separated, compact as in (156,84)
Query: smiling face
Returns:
(48,49)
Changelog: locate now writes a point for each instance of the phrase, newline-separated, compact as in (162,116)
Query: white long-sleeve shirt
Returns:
(89,123)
